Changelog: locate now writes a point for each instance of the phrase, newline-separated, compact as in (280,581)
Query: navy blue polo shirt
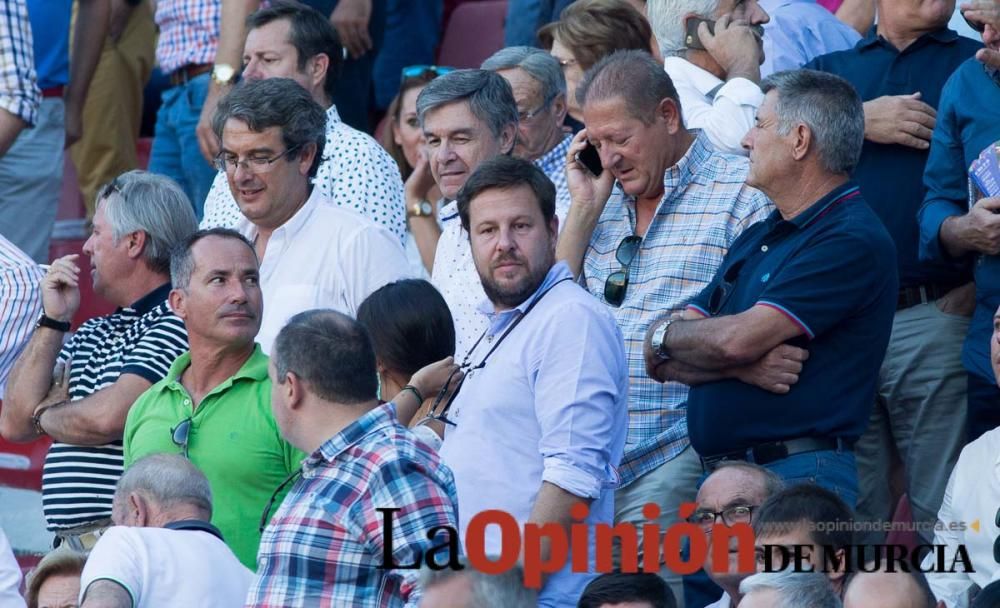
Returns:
(891,176)
(832,271)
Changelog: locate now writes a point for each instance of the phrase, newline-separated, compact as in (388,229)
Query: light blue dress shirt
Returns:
(549,405)
(800,30)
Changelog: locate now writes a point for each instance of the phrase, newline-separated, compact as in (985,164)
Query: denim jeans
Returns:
(524,17)
(831,469)
(175,150)
(412,34)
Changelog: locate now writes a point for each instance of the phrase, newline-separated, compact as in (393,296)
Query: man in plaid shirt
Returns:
(325,544)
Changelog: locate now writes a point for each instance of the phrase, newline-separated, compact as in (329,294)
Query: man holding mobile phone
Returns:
(713,55)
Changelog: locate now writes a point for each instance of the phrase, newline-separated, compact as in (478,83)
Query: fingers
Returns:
(989,57)
(793,353)
(577,145)
(991,203)
(207,143)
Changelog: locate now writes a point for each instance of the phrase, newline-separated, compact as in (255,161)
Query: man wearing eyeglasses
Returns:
(647,235)
(213,406)
(819,274)
(540,92)
(731,495)
(289,40)
(313,254)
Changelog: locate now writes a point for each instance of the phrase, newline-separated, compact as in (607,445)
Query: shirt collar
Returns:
(558,272)
(682,69)
(332,115)
(294,224)
(380,417)
(149,301)
(253,369)
(942,35)
(817,209)
(555,155)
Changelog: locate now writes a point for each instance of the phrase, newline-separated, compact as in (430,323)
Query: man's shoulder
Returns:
(348,143)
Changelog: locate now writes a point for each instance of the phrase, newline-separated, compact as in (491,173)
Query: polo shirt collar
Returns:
(253,369)
(149,301)
(380,417)
(942,35)
(817,209)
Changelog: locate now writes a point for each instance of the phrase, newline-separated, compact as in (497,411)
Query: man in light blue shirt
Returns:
(798,32)
(539,423)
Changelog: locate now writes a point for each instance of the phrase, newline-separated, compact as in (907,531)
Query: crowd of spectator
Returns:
(726,267)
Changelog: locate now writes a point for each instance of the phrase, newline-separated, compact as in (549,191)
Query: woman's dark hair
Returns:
(409,324)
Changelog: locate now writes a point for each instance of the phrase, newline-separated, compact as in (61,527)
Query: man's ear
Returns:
(306,157)
(135,243)
(178,302)
(671,114)
(137,510)
(295,391)
(317,68)
(801,142)
(560,107)
(507,136)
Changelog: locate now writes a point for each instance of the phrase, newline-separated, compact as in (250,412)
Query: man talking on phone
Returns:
(647,233)
(713,50)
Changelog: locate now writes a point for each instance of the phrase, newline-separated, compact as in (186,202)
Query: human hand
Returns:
(350,19)
(421,180)
(735,46)
(586,190)
(776,371)
(61,289)
(979,229)
(900,119)
(430,379)
(208,143)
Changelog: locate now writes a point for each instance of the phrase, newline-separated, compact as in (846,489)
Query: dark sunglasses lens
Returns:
(627,250)
(181,432)
(614,288)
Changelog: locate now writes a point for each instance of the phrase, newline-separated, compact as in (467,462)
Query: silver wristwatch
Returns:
(656,341)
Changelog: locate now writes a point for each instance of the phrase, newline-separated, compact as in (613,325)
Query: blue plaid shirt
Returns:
(553,165)
(324,545)
(705,206)
(19,93)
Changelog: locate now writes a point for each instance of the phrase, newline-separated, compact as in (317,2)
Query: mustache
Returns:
(506,257)
(241,309)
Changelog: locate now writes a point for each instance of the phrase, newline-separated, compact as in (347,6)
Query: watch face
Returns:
(223,72)
(426,208)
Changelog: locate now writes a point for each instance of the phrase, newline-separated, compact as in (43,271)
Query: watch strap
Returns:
(47,321)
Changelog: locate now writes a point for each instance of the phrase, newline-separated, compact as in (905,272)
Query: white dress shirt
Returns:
(323,257)
(724,602)
(548,405)
(973,493)
(10,576)
(726,116)
(355,173)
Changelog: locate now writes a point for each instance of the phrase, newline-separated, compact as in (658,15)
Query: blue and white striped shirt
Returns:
(20,304)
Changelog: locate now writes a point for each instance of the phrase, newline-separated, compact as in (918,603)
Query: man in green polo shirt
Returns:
(214,405)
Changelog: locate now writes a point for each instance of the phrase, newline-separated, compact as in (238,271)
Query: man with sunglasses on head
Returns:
(290,40)
(645,236)
(79,391)
(538,422)
(312,253)
(213,406)
(819,274)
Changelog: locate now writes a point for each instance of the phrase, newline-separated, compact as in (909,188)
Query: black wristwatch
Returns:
(47,321)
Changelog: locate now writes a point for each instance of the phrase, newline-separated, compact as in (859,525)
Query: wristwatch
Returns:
(47,321)
(223,74)
(424,208)
(659,337)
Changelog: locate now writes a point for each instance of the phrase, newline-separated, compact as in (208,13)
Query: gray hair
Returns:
(276,102)
(504,590)
(141,201)
(489,95)
(538,64)
(633,76)
(167,480)
(770,482)
(667,18)
(182,260)
(61,561)
(829,106)
(795,589)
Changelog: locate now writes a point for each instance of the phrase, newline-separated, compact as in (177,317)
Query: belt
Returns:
(766,453)
(56,91)
(920,294)
(83,538)
(185,73)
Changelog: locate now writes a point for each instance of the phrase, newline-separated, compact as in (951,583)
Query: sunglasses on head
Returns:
(415,71)
(112,186)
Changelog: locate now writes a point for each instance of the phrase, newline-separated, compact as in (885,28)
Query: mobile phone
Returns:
(589,158)
(691,39)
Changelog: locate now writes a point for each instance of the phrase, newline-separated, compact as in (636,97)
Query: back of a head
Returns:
(488,94)
(883,589)
(592,29)
(620,587)
(538,64)
(988,597)
(793,590)
(807,504)
(167,480)
(505,590)
(831,108)
(151,203)
(331,353)
(410,325)
(769,482)
(633,76)
(311,34)
(276,102)
(668,21)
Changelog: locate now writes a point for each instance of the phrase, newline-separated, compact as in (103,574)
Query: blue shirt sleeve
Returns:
(836,276)
(945,176)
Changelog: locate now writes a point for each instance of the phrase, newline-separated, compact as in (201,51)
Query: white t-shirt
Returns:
(162,567)
(10,576)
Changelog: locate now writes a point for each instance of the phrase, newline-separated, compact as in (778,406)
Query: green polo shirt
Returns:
(233,439)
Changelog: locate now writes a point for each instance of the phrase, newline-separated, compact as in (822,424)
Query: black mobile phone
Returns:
(691,38)
(589,158)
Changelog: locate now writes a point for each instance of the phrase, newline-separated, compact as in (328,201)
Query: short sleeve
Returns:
(833,277)
(156,348)
(115,558)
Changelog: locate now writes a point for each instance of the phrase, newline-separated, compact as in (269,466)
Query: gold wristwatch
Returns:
(422,208)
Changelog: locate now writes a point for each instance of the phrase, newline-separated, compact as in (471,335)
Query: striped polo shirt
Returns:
(78,482)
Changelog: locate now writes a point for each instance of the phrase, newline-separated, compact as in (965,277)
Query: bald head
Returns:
(886,590)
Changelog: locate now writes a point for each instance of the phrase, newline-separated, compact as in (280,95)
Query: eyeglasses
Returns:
(274,497)
(565,63)
(112,186)
(254,164)
(979,26)
(415,71)
(617,282)
(180,435)
(737,514)
(721,293)
(526,116)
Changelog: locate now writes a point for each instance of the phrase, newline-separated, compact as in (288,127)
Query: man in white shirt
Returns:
(10,576)
(717,71)
(540,417)
(162,551)
(313,254)
(468,117)
(289,40)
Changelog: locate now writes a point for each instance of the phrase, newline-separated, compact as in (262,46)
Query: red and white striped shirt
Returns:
(189,32)
(20,303)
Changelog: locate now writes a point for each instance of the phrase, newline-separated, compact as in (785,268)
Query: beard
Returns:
(511,295)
